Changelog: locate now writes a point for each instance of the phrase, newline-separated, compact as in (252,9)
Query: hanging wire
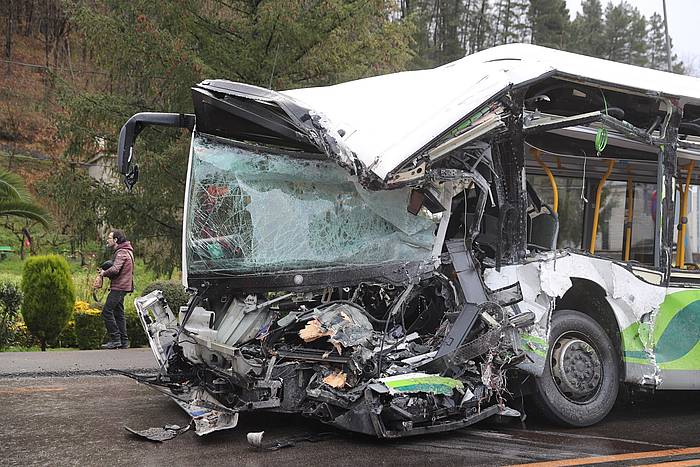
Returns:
(583,178)
(601,136)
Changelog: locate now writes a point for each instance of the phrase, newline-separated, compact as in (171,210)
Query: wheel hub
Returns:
(576,368)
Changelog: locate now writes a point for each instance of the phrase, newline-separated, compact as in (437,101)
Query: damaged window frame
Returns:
(407,347)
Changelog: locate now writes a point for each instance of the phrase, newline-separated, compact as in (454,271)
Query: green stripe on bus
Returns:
(432,384)
(672,304)
(675,337)
(535,344)
(638,354)
(689,361)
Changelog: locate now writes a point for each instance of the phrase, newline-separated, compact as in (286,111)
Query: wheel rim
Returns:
(576,368)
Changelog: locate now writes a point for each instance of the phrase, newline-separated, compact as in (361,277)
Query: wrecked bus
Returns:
(402,254)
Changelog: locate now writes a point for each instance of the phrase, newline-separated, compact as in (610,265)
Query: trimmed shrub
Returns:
(49,296)
(68,337)
(137,336)
(173,293)
(10,302)
(22,336)
(89,328)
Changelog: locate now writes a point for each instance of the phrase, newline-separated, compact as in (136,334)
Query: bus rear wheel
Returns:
(579,384)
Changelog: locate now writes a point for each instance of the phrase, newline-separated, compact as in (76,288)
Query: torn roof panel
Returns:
(388,118)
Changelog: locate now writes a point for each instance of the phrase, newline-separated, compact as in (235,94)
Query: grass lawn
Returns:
(11,267)
(83,276)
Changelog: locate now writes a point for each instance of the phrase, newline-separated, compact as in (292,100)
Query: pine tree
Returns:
(510,22)
(624,34)
(656,47)
(549,20)
(586,29)
(637,48)
(439,32)
(519,26)
(656,43)
(615,32)
(478,24)
(420,13)
(445,26)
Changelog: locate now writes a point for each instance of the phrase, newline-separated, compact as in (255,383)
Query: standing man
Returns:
(121,276)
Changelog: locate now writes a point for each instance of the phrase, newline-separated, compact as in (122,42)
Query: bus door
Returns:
(677,326)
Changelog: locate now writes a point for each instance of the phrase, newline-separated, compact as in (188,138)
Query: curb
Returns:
(70,373)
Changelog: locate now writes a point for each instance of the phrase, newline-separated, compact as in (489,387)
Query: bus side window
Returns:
(622,234)
(641,225)
(570,208)
(626,222)
(611,218)
(691,245)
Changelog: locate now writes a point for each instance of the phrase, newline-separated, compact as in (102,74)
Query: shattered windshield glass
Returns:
(251,210)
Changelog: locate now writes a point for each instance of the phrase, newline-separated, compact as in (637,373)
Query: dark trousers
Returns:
(113,314)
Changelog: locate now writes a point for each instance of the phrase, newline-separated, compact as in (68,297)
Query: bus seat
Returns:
(544,229)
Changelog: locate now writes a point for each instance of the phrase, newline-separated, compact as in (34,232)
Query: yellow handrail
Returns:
(630,217)
(599,192)
(555,191)
(680,253)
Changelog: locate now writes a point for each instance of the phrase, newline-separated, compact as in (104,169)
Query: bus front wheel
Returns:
(580,380)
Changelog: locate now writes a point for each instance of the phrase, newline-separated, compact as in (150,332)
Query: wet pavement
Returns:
(75,362)
(79,420)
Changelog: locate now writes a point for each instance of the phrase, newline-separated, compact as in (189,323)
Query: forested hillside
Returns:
(75,70)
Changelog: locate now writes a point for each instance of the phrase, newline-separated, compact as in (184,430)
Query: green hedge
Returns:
(89,329)
(22,336)
(68,337)
(10,302)
(173,293)
(137,336)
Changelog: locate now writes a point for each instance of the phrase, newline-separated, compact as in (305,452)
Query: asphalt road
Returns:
(77,417)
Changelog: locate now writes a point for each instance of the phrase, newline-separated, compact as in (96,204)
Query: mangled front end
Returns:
(314,295)
(329,362)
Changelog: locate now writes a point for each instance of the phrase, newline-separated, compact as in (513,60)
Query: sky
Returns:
(683,16)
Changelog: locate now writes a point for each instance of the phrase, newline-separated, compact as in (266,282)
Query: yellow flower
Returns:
(81,306)
(90,311)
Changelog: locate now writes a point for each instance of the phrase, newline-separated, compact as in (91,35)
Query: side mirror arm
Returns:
(131,130)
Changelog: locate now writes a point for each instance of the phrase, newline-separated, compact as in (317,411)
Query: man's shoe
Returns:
(124,344)
(112,345)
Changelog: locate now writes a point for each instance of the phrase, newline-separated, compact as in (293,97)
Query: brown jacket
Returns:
(121,274)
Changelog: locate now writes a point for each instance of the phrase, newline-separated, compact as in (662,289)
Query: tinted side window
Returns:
(571,207)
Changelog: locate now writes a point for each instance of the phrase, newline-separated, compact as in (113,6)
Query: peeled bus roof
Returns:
(387,119)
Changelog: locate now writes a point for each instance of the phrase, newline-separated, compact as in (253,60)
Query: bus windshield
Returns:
(252,210)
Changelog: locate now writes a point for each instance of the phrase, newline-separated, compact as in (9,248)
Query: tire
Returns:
(579,384)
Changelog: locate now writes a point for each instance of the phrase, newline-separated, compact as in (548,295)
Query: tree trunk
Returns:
(498,24)
(506,24)
(29,17)
(46,34)
(42,342)
(46,54)
(8,37)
